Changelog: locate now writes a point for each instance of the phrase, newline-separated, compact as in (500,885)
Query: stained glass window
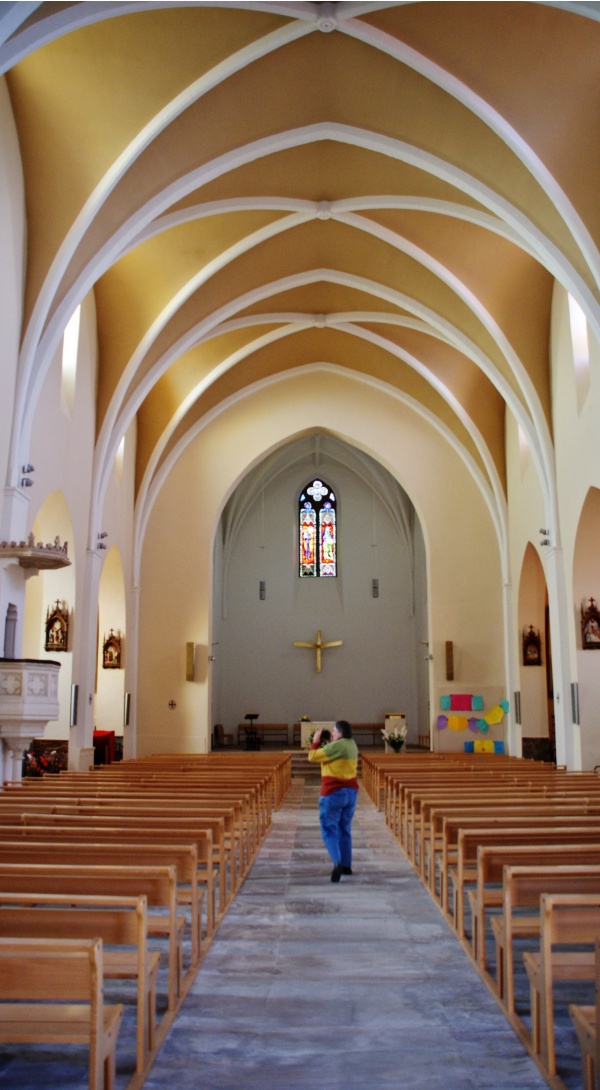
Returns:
(317,531)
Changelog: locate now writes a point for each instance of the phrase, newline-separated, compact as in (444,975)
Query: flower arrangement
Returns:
(396,737)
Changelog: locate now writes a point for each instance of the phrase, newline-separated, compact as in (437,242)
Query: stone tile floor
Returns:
(338,987)
(314,986)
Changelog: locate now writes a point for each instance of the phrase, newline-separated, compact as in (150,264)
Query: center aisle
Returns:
(309,984)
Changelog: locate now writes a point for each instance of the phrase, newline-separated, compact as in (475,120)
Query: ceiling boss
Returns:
(318,646)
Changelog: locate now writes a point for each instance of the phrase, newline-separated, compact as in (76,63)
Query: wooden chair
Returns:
(221,738)
(51,993)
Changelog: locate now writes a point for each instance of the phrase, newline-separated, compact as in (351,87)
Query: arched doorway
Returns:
(536,669)
(586,586)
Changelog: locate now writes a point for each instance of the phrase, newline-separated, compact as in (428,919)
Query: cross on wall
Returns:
(318,646)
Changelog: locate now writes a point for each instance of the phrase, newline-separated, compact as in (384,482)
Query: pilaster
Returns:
(84,656)
(568,735)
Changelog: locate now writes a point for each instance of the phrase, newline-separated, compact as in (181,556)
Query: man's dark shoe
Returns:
(346,870)
(336,873)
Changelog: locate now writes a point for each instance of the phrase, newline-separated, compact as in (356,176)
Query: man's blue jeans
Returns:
(336,812)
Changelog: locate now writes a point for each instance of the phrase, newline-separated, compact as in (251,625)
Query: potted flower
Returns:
(395,739)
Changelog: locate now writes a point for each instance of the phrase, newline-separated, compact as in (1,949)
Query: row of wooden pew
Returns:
(509,849)
(122,874)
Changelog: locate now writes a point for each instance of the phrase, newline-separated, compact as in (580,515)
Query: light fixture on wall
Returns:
(100,543)
(449,660)
(575,701)
(26,481)
(73,708)
(262,590)
(545,538)
(376,588)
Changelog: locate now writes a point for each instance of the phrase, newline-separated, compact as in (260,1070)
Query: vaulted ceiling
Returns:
(389,188)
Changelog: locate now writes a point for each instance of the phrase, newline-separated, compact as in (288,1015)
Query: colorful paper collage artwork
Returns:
(469,702)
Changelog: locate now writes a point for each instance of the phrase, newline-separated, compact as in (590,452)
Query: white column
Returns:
(81,741)
(15,511)
(568,735)
(131,671)
(514,731)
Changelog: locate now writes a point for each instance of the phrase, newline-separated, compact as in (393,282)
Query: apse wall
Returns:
(258,668)
(176,582)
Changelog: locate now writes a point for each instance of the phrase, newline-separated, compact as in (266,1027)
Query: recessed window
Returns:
(317,531)
(69,363)
(119,461)
(581,351)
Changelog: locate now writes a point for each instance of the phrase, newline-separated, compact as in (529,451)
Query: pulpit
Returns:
(28,701)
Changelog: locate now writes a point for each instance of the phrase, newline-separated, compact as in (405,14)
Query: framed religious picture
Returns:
(111,651)
(590,627)
(532,647)
(57,627)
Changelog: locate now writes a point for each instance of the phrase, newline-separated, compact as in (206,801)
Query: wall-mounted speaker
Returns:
(190,655)
(449,660)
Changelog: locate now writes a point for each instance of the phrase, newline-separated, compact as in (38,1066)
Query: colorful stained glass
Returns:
(317,531)
(308,540)
(327,540)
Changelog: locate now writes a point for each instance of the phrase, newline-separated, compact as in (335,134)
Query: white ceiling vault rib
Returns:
(112,432)
(497,124)
(120,416)
(456,247)
(40,342)
(130,232)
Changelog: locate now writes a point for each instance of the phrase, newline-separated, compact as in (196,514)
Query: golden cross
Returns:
(318,647)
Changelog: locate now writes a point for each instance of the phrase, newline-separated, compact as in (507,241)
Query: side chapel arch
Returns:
(534,671)
(586,585)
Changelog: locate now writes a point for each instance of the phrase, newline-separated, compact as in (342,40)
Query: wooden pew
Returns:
(255,799)
(120,922)
(491,860)
(427,821)
(565,920)
(520,817)
(586,1022)
(34,972)
(522,887)
(469,841)
(446,848)
(158,884)
(504,799)
(464,783)
(139,829)
(183,858)
(234,851)
(277,765)
(408,773)
(200,841)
